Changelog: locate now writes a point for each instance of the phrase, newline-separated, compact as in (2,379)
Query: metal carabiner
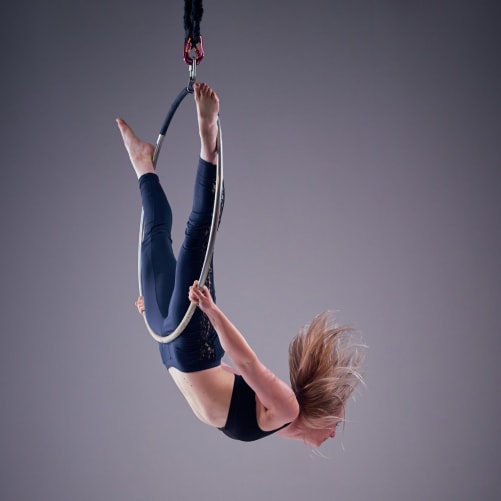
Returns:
(198,48)
(193,76)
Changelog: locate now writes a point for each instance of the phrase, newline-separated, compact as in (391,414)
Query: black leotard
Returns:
(242,420)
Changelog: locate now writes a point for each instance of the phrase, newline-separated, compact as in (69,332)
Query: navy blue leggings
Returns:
(166,282)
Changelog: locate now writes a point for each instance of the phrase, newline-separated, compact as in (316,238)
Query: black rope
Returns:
(193,12)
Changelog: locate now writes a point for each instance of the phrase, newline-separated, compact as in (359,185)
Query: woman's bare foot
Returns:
(140,153)
(207,111)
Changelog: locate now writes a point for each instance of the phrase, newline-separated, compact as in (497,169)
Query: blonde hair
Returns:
(324,364)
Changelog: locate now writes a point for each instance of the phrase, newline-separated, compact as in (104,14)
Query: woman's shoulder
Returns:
(276,402)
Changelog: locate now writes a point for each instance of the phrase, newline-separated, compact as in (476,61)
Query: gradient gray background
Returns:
(361,157)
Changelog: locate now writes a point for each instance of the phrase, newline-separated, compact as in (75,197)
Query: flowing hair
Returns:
(324,364)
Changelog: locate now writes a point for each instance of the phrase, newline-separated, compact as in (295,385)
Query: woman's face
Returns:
(316,437)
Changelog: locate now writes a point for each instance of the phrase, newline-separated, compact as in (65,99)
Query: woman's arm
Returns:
(277,397)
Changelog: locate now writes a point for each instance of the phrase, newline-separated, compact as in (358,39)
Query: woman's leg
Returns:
(194,247)
(198,348)
(158,263)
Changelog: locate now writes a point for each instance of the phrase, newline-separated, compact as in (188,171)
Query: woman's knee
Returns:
(197,233)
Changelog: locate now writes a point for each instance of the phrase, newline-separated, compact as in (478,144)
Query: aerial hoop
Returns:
(216,213)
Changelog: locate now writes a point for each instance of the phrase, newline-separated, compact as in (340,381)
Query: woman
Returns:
(248,402)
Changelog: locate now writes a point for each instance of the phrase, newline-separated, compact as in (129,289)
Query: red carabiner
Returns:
(198,48)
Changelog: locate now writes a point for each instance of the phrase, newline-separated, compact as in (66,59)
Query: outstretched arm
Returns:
(277,397)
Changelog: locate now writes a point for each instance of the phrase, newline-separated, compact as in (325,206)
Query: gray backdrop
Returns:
(362,157)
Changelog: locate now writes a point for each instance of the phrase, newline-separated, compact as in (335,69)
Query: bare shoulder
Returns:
(276,403)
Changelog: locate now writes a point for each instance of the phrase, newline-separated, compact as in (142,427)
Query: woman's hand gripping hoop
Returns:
(201,296)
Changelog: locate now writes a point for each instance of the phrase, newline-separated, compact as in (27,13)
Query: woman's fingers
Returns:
(198,296)
(194,294)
